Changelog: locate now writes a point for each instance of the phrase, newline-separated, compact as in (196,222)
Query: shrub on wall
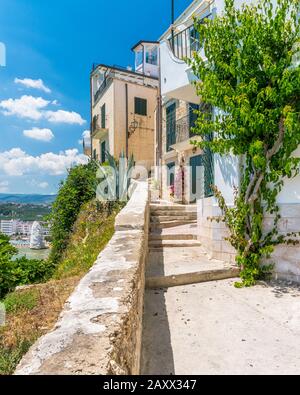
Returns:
(78,188)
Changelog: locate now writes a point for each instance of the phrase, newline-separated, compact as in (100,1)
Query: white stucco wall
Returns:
(226,175)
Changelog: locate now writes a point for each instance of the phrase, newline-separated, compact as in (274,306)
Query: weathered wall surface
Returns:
(99,331)
(212,235)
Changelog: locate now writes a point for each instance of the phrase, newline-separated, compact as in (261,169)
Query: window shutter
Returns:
(103,117)
(140,106)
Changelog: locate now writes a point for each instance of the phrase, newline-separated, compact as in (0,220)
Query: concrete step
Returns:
(172,213)
(170,224)
(191,278)
(180,266)
(170,243)
(172,236)
(165,218)
(179,208)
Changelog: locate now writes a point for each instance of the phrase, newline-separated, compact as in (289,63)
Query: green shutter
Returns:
(140,106)
(103,117)
(103,151)
(171,125)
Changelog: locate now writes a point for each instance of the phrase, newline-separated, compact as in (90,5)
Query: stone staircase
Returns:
(176,257)
(173,226)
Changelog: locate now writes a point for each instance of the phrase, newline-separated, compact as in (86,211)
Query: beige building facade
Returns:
(124,111)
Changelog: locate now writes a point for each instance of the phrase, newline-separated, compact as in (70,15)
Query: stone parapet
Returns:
(99,331)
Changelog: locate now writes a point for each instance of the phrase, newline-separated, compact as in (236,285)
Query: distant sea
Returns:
(24,250)
(32,254)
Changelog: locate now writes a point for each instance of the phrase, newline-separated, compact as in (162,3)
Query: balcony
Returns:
(105,85)
(176,75)
(98,132)
(185,43)
(87,146)
(180,133)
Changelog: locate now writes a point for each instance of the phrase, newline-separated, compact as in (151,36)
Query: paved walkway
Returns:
(214,328)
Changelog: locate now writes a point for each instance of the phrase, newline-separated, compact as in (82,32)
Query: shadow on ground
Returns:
(157,353)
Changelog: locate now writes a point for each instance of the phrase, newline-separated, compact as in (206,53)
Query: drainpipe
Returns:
(173,21)
(127,120)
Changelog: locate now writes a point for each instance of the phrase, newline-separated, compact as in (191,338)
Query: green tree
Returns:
(78,188)
(251,76)
(21,271)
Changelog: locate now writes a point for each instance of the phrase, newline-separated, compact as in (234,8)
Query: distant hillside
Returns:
(27,199)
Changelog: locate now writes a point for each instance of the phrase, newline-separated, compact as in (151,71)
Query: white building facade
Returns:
(178,100)
(8,227)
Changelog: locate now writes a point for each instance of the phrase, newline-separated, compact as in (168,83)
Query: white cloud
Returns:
(85,135)
(4,186)
(39,134)
(60,116)
(43,185)
(18,163)
(26,107)
(34,84)
(34,108)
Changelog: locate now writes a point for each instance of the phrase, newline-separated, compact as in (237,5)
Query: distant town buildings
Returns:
(15,227)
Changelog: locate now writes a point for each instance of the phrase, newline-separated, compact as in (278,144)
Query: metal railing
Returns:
(95,123)
(105,84)
(186,42)
(87,146)
(179,130)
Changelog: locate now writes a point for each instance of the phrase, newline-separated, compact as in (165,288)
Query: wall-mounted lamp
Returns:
(133,127)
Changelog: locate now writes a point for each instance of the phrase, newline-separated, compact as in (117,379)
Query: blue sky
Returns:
(44,88)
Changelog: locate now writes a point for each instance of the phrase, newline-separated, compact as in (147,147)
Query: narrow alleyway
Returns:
(212,327)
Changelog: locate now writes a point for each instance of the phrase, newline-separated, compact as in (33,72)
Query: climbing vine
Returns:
(251,77)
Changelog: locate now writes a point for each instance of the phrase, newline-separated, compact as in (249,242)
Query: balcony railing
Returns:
(181,129)
(186,42)
(105,84)
(87,146)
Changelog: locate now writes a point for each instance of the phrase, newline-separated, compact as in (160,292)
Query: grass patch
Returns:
(11,356)
(92,231)
(25,300)
(32,313)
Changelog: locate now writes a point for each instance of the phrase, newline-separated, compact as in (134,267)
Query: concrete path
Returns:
(214,328)
(179,260)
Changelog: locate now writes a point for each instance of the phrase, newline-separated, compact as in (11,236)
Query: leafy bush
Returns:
(78,188)
(21,271)
(251,75)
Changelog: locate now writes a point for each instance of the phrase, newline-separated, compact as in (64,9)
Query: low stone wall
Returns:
(100,329)
(213,234)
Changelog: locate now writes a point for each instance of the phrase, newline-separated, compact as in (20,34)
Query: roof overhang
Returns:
(141,42)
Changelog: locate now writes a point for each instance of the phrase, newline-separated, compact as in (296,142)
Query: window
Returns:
(139,58)
(152,56)
(103,151)
(171,125)
(140,106)
(171,174)
(103,116)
